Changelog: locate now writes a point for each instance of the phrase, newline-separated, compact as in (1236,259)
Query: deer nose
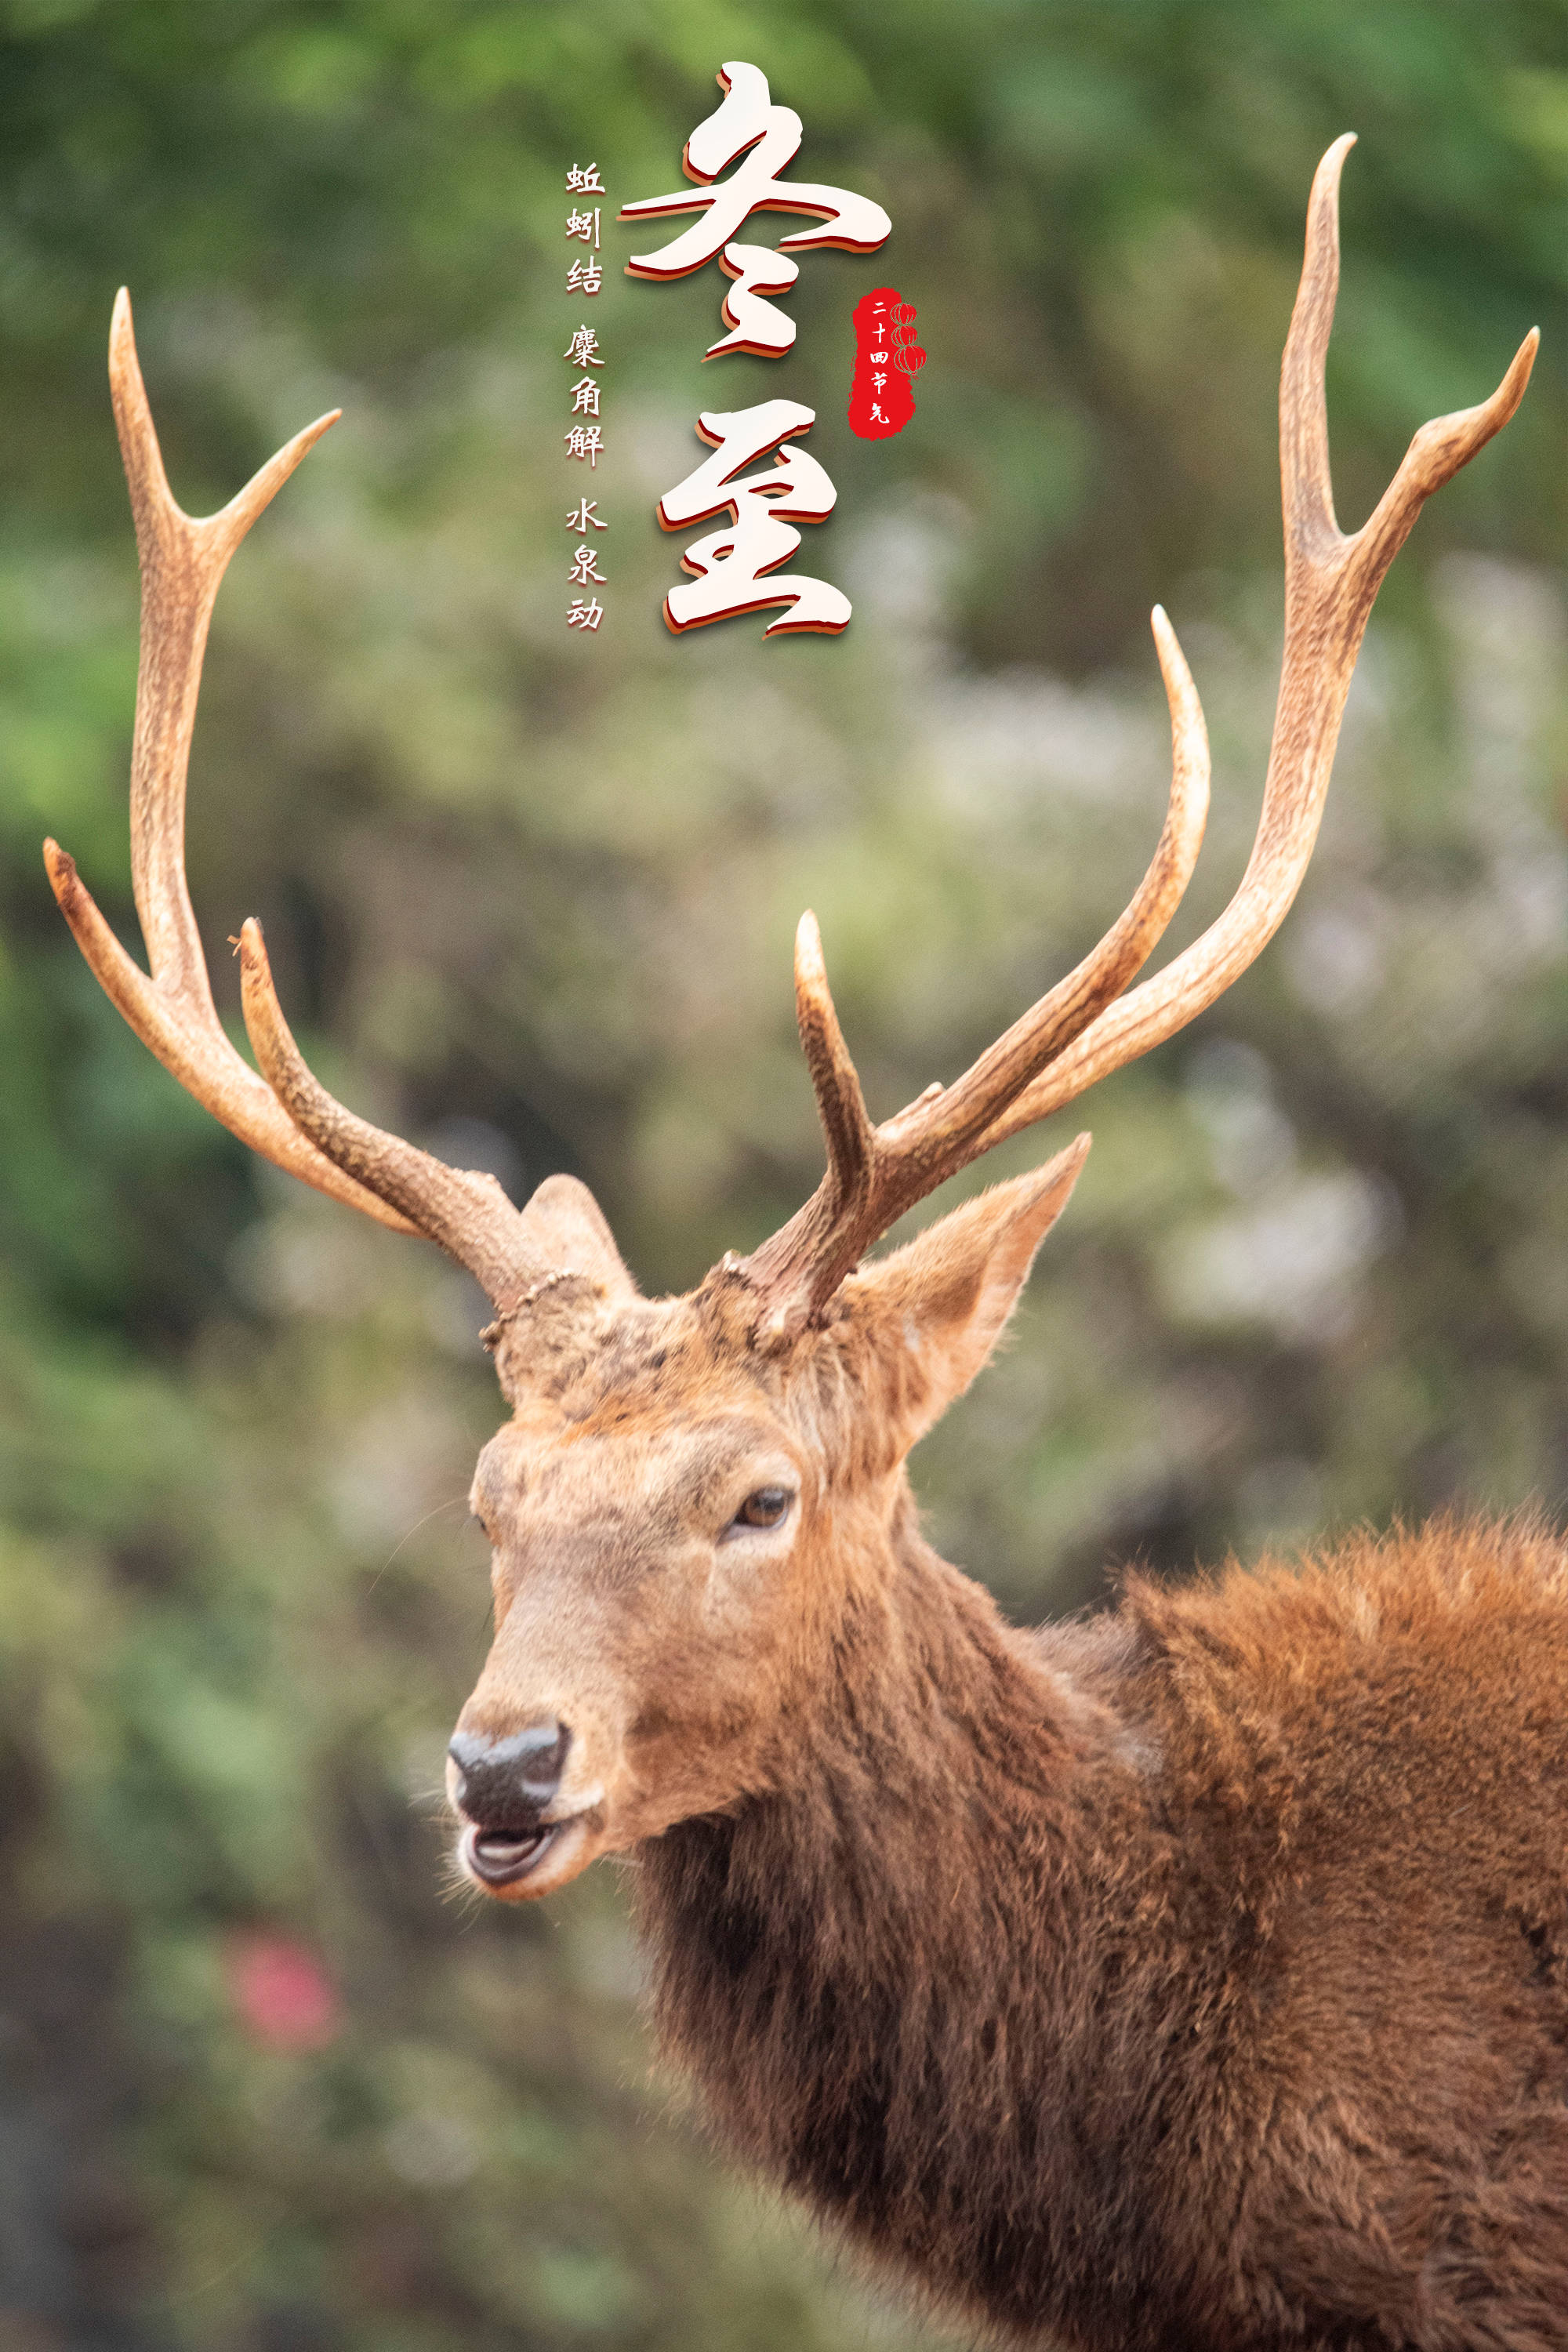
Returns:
(506,1784)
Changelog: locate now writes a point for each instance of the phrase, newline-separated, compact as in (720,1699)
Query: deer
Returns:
(1187,1977)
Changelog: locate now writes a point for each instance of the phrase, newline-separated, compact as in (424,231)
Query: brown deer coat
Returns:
(1191,1979)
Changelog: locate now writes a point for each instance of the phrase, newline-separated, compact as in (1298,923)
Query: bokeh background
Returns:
(264,2087)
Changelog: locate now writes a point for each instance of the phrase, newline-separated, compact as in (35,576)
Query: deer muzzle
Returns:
(504,1789)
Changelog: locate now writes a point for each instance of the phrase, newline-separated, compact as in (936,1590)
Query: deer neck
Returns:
(838,1960)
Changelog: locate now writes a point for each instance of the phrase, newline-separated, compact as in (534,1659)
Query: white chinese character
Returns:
(736,569)
(878,380)
(582,568)
(876,416)
(584,441)
(584,277)
(585,617)
(584,515)
(585,225)
(748,131)
(582,179)
(585,397)
(756,326)
(583,351)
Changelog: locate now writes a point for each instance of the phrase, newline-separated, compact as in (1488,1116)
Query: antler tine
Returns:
(183,561)
(840,1105)
(466,1212)
(1331,581)
(874,1174)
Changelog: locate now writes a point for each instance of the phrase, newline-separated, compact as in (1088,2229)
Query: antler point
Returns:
(1326,179)
(123,337)
(810,969)
(60,867)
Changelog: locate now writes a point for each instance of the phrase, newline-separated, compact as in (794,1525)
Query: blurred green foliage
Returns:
(530,894)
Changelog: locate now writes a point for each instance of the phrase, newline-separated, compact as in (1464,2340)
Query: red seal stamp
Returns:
(887,361)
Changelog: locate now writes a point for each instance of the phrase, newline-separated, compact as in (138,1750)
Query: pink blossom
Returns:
(283,1995)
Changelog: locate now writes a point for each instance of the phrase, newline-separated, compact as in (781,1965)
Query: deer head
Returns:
(694,1495)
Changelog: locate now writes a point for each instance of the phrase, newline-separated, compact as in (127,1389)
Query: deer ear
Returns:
(932,1313)
(570,1231)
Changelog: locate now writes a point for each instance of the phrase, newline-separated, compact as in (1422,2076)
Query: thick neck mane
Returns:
(1159,1983)
(922,1929)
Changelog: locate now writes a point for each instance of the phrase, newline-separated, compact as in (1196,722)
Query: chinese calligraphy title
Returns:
(584,440)
(736,568)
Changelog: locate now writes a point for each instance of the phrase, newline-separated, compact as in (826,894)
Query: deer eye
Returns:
(765,1508)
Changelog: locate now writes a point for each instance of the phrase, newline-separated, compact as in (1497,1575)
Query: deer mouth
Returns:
(515,1862)
(503,1857)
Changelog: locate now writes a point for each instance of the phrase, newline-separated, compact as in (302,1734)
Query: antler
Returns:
(1078,1035)
(875,1174)
(286,1116)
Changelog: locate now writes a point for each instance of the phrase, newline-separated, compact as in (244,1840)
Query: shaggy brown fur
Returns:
(1193,1977)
